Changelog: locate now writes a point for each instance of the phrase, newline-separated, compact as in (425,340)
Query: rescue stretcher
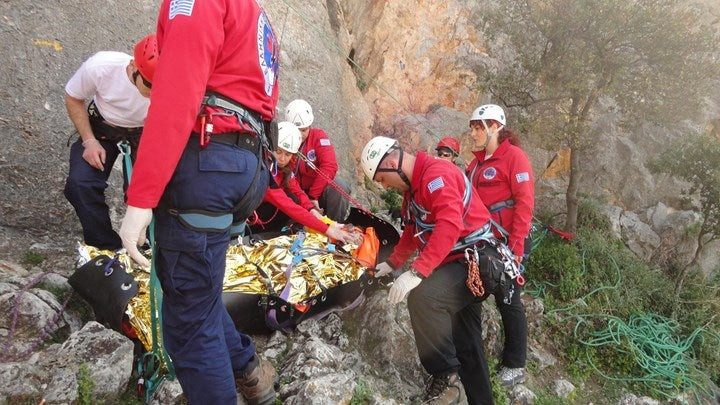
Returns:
(270,283)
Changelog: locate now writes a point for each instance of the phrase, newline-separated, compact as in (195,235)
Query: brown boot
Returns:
(256,383)
(445,390)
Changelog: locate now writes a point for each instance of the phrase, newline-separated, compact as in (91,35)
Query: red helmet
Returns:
(146,56)
(450,143)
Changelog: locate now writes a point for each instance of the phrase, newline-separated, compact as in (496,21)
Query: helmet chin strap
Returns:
(397,170)
(400,171)
(489,134)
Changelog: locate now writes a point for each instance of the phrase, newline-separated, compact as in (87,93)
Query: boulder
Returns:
(53,374)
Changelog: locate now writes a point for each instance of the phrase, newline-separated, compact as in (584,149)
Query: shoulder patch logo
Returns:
(489,173)
(181,7)
(268,52)
(324,142)
(436,184)
(521,177)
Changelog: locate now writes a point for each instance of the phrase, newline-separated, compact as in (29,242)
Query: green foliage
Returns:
(85,385)
(362,393)
(568,54)
(546,398)
(612,284)
(498,390)
(559,264)
(34,258)
(560,58)
(696,159)
(129,396)
(392,199)
(589,216)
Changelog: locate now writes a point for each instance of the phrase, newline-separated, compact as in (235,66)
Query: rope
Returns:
(47,331)
(150,364)
(649,339)
(334,185)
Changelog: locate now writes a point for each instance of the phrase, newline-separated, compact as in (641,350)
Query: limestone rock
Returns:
(563,388)
(631,399)
(543,358)
(53,373)
(521,395)
(7,267)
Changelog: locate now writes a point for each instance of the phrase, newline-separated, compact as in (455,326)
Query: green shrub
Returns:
(557,262)
(362,393)
(546,398)
(392,199)
(34,258)
(589,216)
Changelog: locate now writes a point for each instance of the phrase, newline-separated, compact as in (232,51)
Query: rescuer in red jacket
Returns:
(448,148)
(502,176)
(201,161)
(443,216)
(288,201)
(320,154)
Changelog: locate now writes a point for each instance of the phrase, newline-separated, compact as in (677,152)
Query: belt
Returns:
(243,140)
(501,205)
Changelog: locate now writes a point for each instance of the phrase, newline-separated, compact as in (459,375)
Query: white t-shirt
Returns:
(104,78)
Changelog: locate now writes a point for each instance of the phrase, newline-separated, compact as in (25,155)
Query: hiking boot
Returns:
(511,376)
(256,384)
(445,390)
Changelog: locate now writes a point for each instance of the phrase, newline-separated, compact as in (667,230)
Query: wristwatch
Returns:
(415,273)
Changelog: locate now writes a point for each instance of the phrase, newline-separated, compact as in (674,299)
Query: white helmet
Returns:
(299,113)
(373,152)
(489,112)
(289,137)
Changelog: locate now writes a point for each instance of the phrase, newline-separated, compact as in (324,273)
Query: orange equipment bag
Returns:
(367,252)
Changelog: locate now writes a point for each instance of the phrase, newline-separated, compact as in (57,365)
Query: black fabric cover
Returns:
(106,287)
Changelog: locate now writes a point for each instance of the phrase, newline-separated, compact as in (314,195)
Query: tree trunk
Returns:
(571,196)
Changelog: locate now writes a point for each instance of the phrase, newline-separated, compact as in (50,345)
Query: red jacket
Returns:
(506,175)
(298,212)
(203,45)
(438,186)
(318,149)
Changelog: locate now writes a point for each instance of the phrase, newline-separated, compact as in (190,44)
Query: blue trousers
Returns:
(199,335)
(85,190)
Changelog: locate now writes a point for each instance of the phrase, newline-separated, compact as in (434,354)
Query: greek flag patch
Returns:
(436,184)
(181,7)
(324,142)
(524,176)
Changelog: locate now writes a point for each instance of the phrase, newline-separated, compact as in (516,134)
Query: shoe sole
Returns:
(515,381)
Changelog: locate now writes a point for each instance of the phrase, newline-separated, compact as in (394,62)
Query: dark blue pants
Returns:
(199,335)
(447,324)
(85,190)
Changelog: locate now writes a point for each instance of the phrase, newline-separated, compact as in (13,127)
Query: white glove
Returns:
(132,232)
(383,269)
(402,286)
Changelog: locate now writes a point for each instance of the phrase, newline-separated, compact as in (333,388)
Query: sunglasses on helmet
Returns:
(144,80)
